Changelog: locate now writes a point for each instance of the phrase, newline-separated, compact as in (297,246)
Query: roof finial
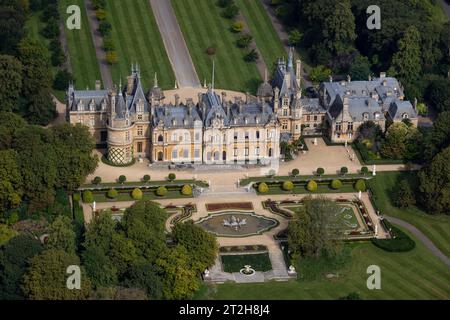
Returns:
(213,74)
(155,81)
(266,79)
(204,84)
(291,58)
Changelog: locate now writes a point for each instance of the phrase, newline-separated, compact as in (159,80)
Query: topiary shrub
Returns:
(237,26)
(146,178)
(136,194)
(88,197)
(122,179)
(97,180)
(295,172)
(320,171)
(364,170)
(112,193)
(172,176)
(161,191)
(400,242)
(186,190)
(344,171)
(336,184)
(76,197)
(311,186)
(360,185)
(288,186)
(263,187)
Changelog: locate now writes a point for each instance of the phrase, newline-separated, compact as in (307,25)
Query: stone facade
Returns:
(220,130)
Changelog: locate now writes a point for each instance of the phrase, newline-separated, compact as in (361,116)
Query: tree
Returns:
(10,82)
(180,281)
(46,277)
(186,190)
(237,26)
(311,232)
(395,143)
(434,184)
(438,94)
(320,171)
(244,41)
(365,170)
(14,256)
(122,179)
(144,224)
(112,57)
(112,193)
(61,235)
(360,185)
(136,194)
(104,28)
(40,108)
(252,56)
(295,172)
(161,191)
(201,246)
(122,253)
(231,11)
(360,68)
(406,62)
(319,74)
(12,25)
(10,180)
(146,276)
(101,271)
(146,178)
(88,197)
(338,29)
(225,3)
(404,197)
(344,171)
(10,123)
(62,80)
(263,188)
(336,184)
(295,38)
(311,186)
(97,180)
(288,186)
(99,232)
(171,176)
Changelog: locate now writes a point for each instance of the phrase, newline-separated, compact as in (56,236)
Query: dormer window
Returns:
(92,105)
(365,116)
(376,115)
(103,105)
(257,120)
(80,105)
(405,116)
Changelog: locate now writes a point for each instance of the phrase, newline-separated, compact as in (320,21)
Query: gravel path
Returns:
(175,45)
(423,238)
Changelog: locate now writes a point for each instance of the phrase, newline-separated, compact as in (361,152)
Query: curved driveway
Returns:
(423,238)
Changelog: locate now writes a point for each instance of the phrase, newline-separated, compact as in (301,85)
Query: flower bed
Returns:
(212,207)
(241,249)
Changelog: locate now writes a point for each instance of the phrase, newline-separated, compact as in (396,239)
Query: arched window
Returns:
(160,138)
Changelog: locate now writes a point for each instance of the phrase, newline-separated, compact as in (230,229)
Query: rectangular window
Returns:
(197,136)
(174,137)
(139,147)
(246,152)
(127,136)
(247,135)
(92,121)
(315,118)
(186,154)
(197,153)
(308,118)
(257,151)
(257,134)
(140,131)
(235,152)
(174,154)
(236,136)
(139,117)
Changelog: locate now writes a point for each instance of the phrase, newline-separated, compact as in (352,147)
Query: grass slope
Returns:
(138,40)
(411,275)
(203,26)
(81,48)
(436,228)
(262,31)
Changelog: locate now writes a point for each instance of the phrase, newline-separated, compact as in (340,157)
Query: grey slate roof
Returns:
(87,96)
(399,108)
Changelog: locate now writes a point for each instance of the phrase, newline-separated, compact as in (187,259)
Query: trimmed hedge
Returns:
(88,197)
(186,190)
(288,185)
(263,187)
(136,194)
(336,184)
(312,186)
(161,191)
(360,185)
(400,241)
(112,193)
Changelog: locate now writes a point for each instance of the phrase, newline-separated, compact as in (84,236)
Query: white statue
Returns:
(94,206)
(360,194)
(374,171)
(376,230)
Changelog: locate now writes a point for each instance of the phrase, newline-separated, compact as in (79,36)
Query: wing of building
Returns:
(133,123)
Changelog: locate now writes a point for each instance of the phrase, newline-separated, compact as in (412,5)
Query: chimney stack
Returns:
(98,85)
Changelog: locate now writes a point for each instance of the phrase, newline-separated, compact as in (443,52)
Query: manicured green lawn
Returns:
(137,40)
(203,26)
(262,31)
(412,275)
(81,48)
(246,181)
(126,196)
(436,228)
(234,263)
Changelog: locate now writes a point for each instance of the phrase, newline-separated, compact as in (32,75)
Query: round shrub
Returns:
(97,180)
(112,193)
(146,178)
(364,170)
(344,171)
(295,172)
(263,188)
(360,185)
(88,197)
(400,242)
(76,197)
(161,191)
(237,26)
(186,190)
(172,176)
(336,184)
(312,186)
(320,171)
(210,51)
(136,194)
(288,185)
(122,179)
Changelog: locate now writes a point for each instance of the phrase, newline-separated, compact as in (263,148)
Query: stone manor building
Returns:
(217,129)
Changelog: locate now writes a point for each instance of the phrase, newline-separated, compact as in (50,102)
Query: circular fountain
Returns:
(247,271)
